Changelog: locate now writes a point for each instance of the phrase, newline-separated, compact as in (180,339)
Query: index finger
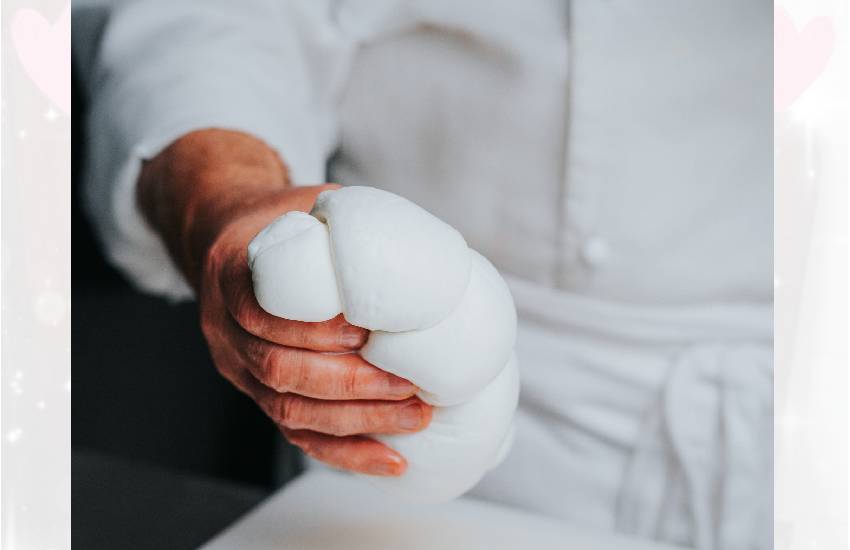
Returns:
(314,374)
(333,335)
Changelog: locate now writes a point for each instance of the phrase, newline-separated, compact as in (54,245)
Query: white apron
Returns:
(651,421)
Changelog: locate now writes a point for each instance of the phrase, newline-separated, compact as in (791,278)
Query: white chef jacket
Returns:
(612,158)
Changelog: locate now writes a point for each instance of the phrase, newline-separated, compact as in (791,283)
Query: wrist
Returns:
(196,187)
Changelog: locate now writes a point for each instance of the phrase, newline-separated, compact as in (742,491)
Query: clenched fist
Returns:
(208,194)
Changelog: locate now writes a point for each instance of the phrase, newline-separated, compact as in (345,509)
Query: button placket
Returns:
(567,240)
(582,246)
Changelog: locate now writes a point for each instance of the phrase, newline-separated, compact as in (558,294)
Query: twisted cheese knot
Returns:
(440,316)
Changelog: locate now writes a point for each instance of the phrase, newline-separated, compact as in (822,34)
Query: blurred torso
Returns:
(613,159)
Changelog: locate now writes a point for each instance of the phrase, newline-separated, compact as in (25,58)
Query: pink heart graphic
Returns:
(44,50)
(799,56)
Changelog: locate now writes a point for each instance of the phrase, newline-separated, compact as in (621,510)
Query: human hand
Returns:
(305,376)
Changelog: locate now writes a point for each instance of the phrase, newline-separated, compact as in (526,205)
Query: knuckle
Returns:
(254,351)
(247,314)
(270,368)
(257,353)
(298,335)
(349,381)
(290,411)
(295,367)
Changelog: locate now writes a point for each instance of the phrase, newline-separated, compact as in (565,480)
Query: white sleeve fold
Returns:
(165,68)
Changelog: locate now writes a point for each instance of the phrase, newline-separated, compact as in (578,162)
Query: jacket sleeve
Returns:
(155,70)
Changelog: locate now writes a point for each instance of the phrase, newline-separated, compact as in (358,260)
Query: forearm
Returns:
(194,188)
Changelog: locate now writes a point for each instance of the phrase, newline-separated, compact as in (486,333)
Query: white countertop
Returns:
(327,510)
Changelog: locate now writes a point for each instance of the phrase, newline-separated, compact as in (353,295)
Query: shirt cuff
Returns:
(139,251)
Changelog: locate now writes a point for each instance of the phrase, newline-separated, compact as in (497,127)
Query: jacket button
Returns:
(595,251)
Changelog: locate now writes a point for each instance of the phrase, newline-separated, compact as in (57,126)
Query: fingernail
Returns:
(399,387)
(391,466)
(352,337)
(410,417)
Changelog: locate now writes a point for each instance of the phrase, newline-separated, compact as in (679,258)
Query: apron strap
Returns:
(704,454)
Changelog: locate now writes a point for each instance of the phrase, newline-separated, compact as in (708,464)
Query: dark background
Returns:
(164,449)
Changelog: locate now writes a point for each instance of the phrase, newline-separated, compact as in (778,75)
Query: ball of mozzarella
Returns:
(398,267)
(462,443)
(440,314)
(458,356)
